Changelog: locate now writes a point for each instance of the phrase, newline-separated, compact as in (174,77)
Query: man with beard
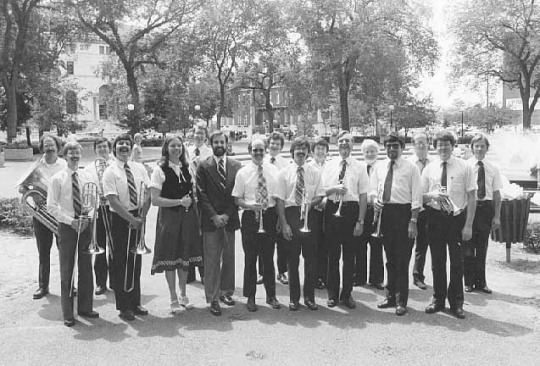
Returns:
(421,159)
(219,221)
(449,185)
(253,191)
(397,183)
(122,182)
(346,184)
(48,165)
(102,148)
(276,141)
(65,203)
(299,185)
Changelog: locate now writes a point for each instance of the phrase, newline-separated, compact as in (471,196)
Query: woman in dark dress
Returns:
(178,239)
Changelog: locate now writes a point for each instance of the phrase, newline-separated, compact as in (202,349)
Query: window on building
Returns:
(71,102)
(70,67)
(104,50)
(277,97)
(102,111)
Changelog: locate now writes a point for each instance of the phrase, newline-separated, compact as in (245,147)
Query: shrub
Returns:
(13,217)
(17,145)
(152,142)
(531,239)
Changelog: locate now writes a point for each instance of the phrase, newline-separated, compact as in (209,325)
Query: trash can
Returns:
(514,219)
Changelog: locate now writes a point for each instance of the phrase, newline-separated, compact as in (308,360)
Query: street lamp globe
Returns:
(197,107)
(391,108)
(130,107)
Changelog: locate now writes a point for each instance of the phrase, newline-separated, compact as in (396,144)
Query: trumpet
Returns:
(92,196)
(340,198)
(377,218)
(259,216)
(140,245)
(304,212)
(447,205)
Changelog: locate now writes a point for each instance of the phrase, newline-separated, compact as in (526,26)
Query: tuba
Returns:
(34,200)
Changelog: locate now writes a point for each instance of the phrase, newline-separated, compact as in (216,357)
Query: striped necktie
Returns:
(131,187)
(262,191)
(299,190)
(77,207)
(343,170)
(481,181)
(222,174)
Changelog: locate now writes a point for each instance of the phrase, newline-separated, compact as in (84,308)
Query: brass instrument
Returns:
(447,205)
(91,195)
(261,222)
(100,165)
(140,245)
(340,198)
(34,200)
(377,216)
(304,212)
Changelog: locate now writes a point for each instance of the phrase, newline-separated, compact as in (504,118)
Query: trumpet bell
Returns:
(94,250)
(305,230)
(141,250)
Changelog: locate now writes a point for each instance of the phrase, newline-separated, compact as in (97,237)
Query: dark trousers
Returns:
(339,237)
(281,248)
(376,265)
(445,231)
(322,251)
(394,227)
(421,247)
(306,244)
(123,258)
(475,250)
(259,245)
(85,284)
(101,266)
(44,238)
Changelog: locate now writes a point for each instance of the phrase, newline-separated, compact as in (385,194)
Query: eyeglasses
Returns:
(393,146)
(258,150)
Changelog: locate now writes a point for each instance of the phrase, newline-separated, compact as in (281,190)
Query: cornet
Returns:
(340,198)
(447,205)
(304,212)
(377,218)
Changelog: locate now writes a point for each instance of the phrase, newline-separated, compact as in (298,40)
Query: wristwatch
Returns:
(414,220)
(361,222)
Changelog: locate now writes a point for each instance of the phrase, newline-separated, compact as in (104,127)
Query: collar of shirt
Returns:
(217,159)
(397,163)
(121,164)
(416,159)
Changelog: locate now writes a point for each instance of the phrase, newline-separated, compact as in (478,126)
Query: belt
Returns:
(344,203)
(484,202)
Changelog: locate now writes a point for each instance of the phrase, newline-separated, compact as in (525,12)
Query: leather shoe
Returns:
(401,310)
(331,303)
(458,313)
(357,282)
(139,310)
(215,309)
(259,279)
(251,306)
(468,289)
(486,290)
(274,303)
(127,315)
(293,306)
(282,277)
(320,284)
(69,322)
(378,286)
(311,305)
(434,308)
(420,284)
(349,302)
(41,292)
(89,314)
(100,290)
(227,300)
(387,303)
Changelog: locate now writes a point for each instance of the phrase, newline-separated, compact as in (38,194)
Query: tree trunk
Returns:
(269,111)
(134,115)
(221,108)
(11,107)
(344,108)
(527,115)
(28,137)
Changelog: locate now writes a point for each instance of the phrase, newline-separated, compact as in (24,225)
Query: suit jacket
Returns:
(213,199)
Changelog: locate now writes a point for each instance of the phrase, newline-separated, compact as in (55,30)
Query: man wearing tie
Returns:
(345,182)
(487,216)
(219,221)
(253,191)
(449,188)
(421,159)
(399,182)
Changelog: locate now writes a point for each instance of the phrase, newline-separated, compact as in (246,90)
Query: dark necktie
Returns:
(343,170)
(262,191)
(368,169)
(444,179)
(222,174)
(481,181)
(387,192)
(131,187)
(272,160)
(77,207)
(299,190)
(423,162)
(197,151)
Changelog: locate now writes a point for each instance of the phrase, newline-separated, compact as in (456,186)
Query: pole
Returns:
(391,120)
(462,124)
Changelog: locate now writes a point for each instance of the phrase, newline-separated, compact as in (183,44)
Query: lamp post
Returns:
(391,108)
(461,124)
(130,108)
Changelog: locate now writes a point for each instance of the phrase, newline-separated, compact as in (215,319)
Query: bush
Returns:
(465,139)
(14,218)
(17,145)
(152,142)
(531,239)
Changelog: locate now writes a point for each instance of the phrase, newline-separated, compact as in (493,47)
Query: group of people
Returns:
(325,209)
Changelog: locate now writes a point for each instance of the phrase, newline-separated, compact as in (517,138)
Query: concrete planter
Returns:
(19,154)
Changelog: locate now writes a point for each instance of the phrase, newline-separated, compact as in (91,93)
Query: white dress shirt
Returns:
(279,161)
(115,181)
(460,180)
(204,153)
(493,177)
(158,175)
(60,194)
(414,159)
(286,183)
(355,180)
(314,163)
(247,182)
(406,187)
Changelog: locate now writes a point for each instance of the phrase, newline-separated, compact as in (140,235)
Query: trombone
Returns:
(140,245)
(377,217)
(304,212)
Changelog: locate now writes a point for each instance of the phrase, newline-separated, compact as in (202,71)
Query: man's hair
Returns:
(121,137)
(394,137)
(201,126)
(300,142)
(56,139)
(420,134)
(218,133)
(321,142)
(277,136)
(444,135)
(250,145)
(71,145)
(367,143)
(480,137)
(100,140)
(342,133)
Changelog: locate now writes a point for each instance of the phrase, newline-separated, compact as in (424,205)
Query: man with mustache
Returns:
(122,182)
(253,191)
(65,203)
(219,221)
(48,165)
(346,183)
(298,191)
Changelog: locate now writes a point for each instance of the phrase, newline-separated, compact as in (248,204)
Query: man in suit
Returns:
(219,221)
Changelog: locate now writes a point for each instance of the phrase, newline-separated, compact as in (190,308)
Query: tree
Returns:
(501,39)
(414,114)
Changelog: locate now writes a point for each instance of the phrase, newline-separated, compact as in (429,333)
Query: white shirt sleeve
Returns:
(157,179)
